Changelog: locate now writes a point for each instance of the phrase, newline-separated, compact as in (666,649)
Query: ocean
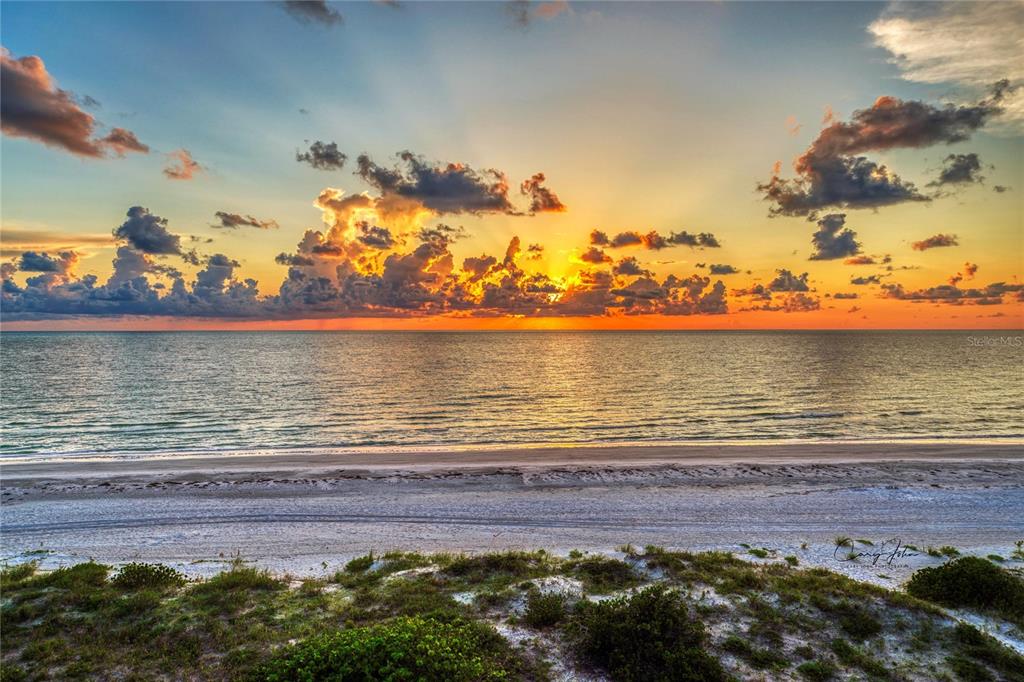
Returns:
(80,394)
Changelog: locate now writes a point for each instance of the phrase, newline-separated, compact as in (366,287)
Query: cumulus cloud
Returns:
(595,255)
(832,174)
(148,233)
(722,269)
(786,281)
(935,241)
(182,166)
(442,188)
(959,169)
(832,241)
(323,156)
(966,44)
(629,266)
(866,280)
(32,106)
(233,221)
(313,12)
(993,294)
(542,199)
(654,240)
(62,262)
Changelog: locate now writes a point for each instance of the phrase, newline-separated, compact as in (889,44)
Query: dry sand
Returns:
(307,511)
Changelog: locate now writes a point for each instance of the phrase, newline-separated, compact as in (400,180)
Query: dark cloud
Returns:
(999,189)
(629,266)
(234,221)
(374,236)
(832,241)
(148,233)
(313,11)
(32,106)
(832,174)
(31,261)
(992,294)
(448,188)
(653,240)
(293,259)
(323,156)
(535,251)
(787,281)
(722,269)
(844,296)
(860,260)
(595,255)
(935,242)
(542,199)
(182,166)
(866,280)
(959,169)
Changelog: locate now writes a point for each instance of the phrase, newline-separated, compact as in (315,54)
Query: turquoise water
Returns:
(159,392)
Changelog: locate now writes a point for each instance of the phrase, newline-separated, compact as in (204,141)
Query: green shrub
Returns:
(79,576)
(404,649)
(972,582)
(851,655)
(817,671)
(135,576)
(10,575)
(792,561)
(360,564)
(601,574)
(544,610)
(649,636)
(757,658)
(499,566)
(759,553)
(974,645)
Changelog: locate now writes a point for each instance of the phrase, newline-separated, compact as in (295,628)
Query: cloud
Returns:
(866,280)
(832,174)
(787,281)
(182,166)
(542,199)
(831,241)
(32,261)
(120,141)
(653,240)
(595,255)
(322,156)
(993,294)
(959,169)
(966,44)
(841,296)
(233,221)
(313,11)
(999,189)
(148,233)
(442,188)
(969,271)
(374,236)
(935,242)
(722,269)
(32,106)
(629,266)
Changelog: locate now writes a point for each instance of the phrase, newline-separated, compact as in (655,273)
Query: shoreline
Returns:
(29,469)
(296,512)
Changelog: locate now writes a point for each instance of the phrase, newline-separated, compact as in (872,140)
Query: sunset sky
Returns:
(421,165)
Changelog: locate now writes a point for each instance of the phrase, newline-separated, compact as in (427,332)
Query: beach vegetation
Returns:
(675,616)
(792,560)
(650,635)
(360,564)
(972,582)
(995,557)
(843,541)
(601,574)
(544,610)
(136,576)
(1018,551)
(403,649)
(817,671)
(761,553)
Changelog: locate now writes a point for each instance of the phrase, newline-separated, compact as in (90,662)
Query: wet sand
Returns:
(295,511)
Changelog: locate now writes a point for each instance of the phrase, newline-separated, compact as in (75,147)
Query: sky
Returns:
(511,165)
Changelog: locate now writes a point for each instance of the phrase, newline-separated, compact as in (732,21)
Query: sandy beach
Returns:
(297,511)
